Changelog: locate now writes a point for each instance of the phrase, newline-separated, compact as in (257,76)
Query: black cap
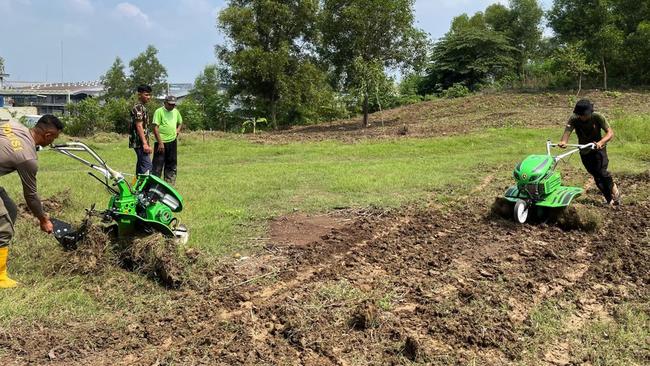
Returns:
(584,107)
(170,99)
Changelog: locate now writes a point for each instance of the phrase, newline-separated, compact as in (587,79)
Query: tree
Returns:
(521,24)
(308,96)
(363,34)
(464,22)
(572,61)
(498,18)
(115,81)
(208,91)
(592,23)
(146,69)
(193,114)
(116,112)
(525,31)
(469,57)
(639,54)
(267,41)
(2,65)
(85,118)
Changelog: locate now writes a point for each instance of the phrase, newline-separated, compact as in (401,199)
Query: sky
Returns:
(78,40)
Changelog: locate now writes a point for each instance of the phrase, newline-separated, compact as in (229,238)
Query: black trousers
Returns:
(596,163)
(166,161)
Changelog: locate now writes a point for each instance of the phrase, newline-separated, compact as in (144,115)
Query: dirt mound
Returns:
(92,256)
(154,256)
(574,217)
(579,217)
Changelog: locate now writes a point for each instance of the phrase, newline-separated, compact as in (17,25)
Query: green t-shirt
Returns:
(167,122)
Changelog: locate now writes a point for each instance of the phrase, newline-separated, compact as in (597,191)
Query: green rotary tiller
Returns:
(146,207)
(539,184)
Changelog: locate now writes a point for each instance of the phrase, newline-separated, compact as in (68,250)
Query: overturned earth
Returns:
(423,284)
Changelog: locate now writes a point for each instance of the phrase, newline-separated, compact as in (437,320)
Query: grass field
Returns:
(233,186)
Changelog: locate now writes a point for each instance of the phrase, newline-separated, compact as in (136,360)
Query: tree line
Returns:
(305,61)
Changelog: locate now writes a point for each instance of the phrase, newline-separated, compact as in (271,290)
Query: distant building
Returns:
(52,98)
(179,90)
(48,97)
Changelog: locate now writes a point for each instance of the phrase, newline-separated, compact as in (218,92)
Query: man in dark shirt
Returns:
(18,153)
(139,131)
(589,126)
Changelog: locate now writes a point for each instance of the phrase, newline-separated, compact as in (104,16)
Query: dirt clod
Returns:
(92,255)
(579,217)
(155,256)
(366,316)
(501,207)
(411,349)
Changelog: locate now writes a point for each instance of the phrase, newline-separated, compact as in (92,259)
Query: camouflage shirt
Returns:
(138,113)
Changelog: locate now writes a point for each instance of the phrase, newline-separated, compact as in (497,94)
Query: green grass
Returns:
(232,187)
(620,341)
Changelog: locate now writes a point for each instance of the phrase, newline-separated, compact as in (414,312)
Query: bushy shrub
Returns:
(85,118)
(456,91)
(117,113)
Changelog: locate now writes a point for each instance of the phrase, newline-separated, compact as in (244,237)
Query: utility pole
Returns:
(61,60)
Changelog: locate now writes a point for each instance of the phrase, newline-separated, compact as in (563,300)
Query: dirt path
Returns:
(421,285)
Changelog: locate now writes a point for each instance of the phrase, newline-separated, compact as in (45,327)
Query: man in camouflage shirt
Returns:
(139,131)
(589,126)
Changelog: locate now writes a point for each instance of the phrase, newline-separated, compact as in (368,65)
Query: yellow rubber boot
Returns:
(5,281)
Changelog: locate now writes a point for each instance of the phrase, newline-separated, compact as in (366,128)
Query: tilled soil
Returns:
(428,285)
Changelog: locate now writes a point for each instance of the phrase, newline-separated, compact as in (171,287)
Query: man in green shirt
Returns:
(167,122)
(589,126)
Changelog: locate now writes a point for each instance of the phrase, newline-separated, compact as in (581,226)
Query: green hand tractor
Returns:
(146,207)
(539,184)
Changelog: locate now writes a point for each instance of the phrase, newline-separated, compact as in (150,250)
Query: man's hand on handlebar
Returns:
(561,145)
(599,145)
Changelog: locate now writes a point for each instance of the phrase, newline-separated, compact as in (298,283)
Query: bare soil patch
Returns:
(301,229)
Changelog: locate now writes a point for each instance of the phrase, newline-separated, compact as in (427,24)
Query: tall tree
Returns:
(266,42)
(209,92)
(464,22)
(525,31)
(592,23)
(469,57)
(115,81)
(571,60)
(147,69)
(2,65)
(369,32)
(498,18)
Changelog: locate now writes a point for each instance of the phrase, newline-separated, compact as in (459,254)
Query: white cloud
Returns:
(130,11)
(82,6)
